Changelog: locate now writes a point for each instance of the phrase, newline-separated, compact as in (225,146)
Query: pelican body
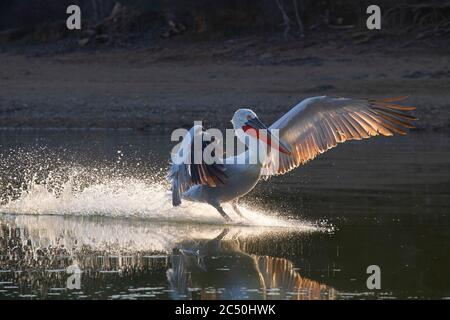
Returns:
(310,128)
(242,178)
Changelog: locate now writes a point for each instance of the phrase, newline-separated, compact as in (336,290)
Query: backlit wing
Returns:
(318,124)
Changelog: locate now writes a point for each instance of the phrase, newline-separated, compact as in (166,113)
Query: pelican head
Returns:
(248,126)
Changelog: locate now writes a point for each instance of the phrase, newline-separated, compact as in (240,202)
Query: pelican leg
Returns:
(221,211)
(234,204)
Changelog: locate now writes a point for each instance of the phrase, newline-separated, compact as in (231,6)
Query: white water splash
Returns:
(127,197)
(39,182)
(125,214)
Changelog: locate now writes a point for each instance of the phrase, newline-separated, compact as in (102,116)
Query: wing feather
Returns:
(185,174)
(318,124)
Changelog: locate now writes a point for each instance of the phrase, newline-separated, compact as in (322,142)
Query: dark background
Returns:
(154,66)
(40,19)
(158,65)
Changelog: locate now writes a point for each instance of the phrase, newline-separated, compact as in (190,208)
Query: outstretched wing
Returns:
(185,172)
(318,124)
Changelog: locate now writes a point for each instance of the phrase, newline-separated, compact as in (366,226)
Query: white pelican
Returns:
(310,128)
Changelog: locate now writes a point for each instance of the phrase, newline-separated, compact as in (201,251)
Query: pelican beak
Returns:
(254,125)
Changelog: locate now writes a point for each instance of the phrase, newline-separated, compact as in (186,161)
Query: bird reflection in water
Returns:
(195,262)
(219,269)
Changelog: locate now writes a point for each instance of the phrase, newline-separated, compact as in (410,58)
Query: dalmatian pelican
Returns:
(310,128)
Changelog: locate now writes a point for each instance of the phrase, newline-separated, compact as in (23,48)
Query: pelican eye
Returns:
(249,117)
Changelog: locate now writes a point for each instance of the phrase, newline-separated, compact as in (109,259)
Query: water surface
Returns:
(98,201)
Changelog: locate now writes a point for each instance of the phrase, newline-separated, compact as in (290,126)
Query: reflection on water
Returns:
(98,201)
(220,269)
(139,259)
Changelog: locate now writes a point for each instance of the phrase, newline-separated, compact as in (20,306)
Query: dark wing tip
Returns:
(395,115)
(393,99)
(176,201)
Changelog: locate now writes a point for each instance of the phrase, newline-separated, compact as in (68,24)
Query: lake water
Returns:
(87,214)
